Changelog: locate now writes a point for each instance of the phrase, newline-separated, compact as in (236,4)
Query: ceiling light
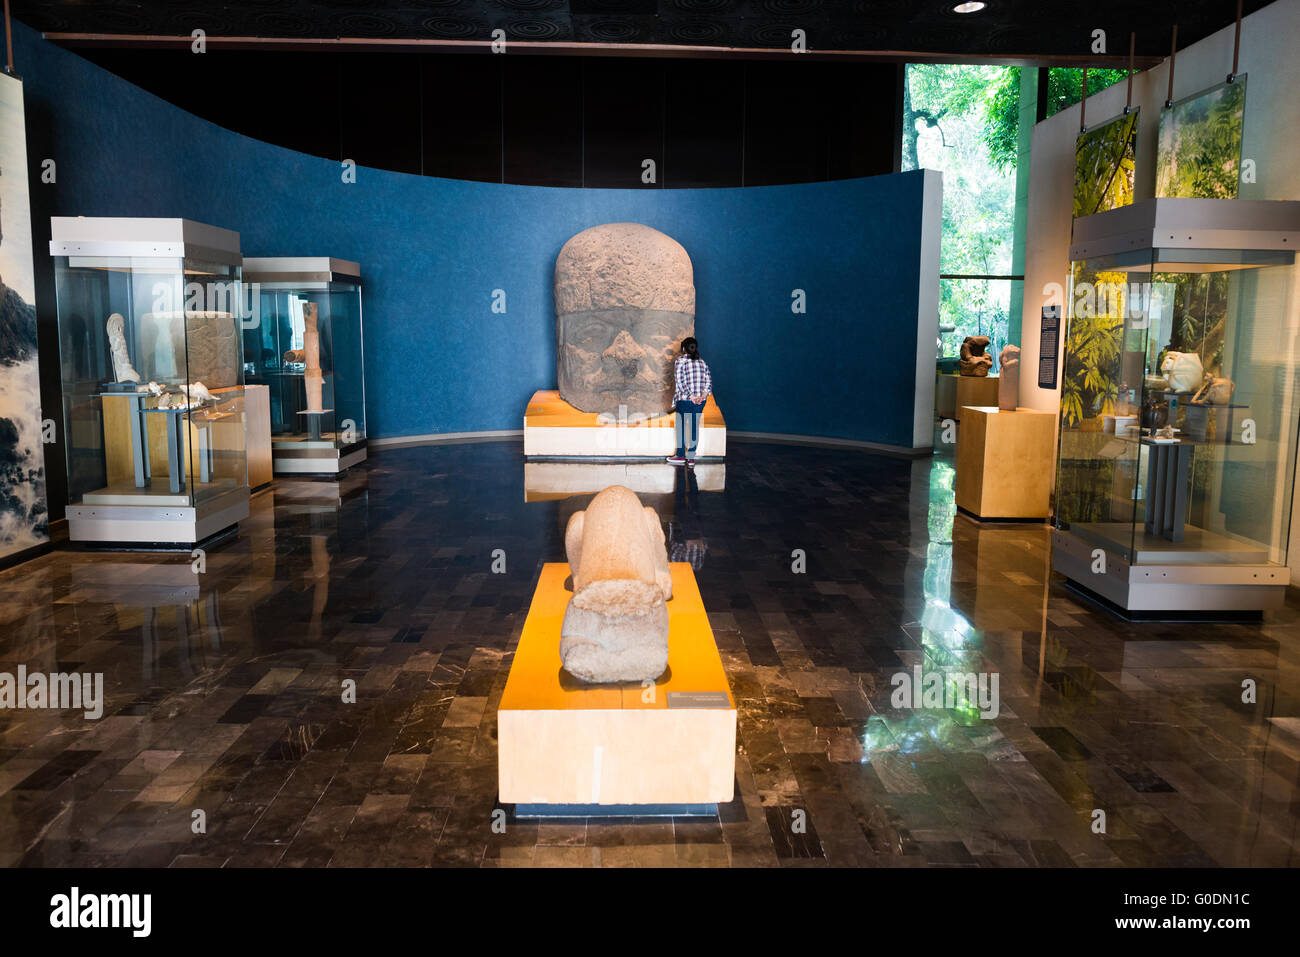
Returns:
(972,7)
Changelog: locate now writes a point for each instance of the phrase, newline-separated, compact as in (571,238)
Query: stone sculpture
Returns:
(1214,391)
(123,371)
(616,624)
(1009,378)
(624,301)
(313,379)
(1183,371)
(974,360)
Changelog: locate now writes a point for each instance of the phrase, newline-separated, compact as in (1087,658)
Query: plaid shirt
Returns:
(692,377)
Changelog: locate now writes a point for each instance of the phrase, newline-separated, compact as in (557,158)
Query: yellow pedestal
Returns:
(257,413)
(1005,463)
(669,742)
(552,427)
(975,390)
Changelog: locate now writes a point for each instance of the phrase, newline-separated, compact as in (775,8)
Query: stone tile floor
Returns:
(224,694)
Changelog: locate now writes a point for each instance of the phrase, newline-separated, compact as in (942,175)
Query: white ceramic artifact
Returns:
(197,393)
(616,624)
(123,371)
(1183,371)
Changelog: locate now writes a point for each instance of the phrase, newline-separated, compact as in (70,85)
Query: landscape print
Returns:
(1104,159)
(24,518)
(1199,153)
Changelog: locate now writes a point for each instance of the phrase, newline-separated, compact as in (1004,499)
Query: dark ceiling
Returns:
(1040,30)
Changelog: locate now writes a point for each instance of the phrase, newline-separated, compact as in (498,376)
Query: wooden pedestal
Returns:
(1005,463)
(975,390)
(257,414)
(670,743)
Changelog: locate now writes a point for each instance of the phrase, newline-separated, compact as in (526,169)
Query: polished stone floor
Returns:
(224,713)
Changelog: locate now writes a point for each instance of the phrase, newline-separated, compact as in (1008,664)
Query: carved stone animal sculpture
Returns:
(616,624)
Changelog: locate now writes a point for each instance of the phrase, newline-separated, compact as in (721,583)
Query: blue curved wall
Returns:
(433,250)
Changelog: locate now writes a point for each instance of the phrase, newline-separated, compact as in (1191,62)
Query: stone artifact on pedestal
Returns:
(624,301)
(974,360)
(313,378)
(123,371)
(616,624)
(1009,378)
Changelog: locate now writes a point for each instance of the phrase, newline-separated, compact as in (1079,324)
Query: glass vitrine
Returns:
(152,378)
(305,345)
(1179,406)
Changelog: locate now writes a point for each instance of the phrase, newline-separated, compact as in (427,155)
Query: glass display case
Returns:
(152,379)
(305,345)
(1180,402)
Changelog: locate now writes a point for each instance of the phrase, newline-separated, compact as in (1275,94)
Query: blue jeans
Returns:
(688,427)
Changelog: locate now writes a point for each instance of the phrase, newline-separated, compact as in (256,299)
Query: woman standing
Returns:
(694,385)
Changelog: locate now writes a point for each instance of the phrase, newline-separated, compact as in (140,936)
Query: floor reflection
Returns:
(827,574)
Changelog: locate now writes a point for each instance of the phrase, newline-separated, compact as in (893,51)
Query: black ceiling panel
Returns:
(1005,28)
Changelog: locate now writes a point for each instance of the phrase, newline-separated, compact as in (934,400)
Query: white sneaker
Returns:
(676,460)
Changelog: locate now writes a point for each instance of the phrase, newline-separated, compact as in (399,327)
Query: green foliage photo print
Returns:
(1103,166)
(1199,151)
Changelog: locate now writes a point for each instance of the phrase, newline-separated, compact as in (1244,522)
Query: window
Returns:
(965,121)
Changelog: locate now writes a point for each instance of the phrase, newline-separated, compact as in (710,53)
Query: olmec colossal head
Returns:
(624,301)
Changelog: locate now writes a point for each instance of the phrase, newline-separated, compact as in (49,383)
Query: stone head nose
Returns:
(624,354)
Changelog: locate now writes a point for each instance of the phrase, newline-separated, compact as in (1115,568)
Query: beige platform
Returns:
(975,390)
(552,427)
(1005,463)
(562,742)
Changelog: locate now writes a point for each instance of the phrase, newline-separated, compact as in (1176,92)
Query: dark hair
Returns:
(687,343)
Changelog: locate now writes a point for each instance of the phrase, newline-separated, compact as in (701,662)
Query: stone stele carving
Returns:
(974,360)
(624,301)
(1009,378)
(123,371)
(616,624)
(205,348)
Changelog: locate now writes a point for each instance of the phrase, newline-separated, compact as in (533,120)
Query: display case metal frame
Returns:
(313,274)
(1157,578)
(115,520)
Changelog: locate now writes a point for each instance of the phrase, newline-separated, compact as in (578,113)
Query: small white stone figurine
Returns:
(122,368)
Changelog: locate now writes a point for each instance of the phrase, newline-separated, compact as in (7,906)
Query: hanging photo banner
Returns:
(1199,147)
(24,518)
(1104,159)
